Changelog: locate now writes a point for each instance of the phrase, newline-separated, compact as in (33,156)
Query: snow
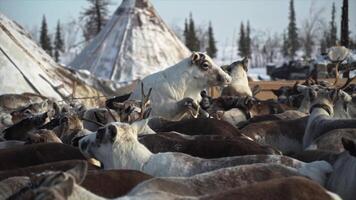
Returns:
(254,73)
(133,44)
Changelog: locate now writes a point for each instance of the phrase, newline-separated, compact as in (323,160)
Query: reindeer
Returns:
(127,111)
(69,184)
(185,79)
(343,177)
(239,84)
(321,115)
(117,147)
(20,130)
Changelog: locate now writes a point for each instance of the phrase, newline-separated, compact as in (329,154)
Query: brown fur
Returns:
(42,136)
(315,155)
(195,127)
(53,166)
(35,154)
(20,130)
(15,101)
(113,183)
(204,146)
(287,115)
(265,132)
(276,189)
(68,128)
(331,141)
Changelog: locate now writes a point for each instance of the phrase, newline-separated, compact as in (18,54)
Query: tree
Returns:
(311,28)
(191,39)
(45,41)
(332,37)
(248,41)
(95,17)
(242,39)
(285,45)
(58,42)
(293,44)
(323,43)
(345,24)
(186,31)
(211,50)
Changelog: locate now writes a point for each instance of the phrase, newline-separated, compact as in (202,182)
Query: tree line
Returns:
(293,39)
(95,16)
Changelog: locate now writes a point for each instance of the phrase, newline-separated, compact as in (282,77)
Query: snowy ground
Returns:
(258,72)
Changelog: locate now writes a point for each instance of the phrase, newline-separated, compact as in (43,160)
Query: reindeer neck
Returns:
(240,82)
(130,155)
(181,81)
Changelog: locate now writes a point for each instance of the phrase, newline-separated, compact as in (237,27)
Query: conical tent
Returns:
(25,67)
(134,43)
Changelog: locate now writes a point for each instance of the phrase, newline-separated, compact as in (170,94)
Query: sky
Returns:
(225,15)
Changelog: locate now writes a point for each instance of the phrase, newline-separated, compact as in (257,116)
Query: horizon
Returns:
(225,21)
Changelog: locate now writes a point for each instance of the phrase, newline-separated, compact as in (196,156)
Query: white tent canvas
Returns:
(134,43)
(25,67)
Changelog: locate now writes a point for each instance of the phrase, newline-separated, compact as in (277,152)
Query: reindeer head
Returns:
(237,69)
(133,110)
(53,185)
(207,72)
(110,139)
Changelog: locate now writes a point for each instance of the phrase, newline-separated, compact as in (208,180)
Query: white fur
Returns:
(240,81)
(125,152)
(175,83)
(234,116)
(312,131)
(317,171)
(343,179)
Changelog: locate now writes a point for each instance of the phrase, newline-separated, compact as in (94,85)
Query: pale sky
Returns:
(225,15)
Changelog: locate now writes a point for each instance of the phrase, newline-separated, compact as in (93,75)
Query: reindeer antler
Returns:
(145,99)
(337,73)
(347,83)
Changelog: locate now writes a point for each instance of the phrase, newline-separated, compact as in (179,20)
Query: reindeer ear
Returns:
(112,131)
(79,172)
(203,93)
(195,57)
(139,126)
(349,145)
(245,63)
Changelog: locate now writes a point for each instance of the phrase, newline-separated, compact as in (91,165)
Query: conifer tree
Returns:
(332,37)
(95,17)
(241,42)
(45,41)
(293,43)
(185,33)
(344,40)
(248,41)
(324,43)
(285,45)
(191,39)
(211,50)
(58,42)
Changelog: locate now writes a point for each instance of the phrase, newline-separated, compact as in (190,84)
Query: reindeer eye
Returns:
(205,66)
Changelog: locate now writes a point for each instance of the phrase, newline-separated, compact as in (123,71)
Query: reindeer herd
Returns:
(169,139)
